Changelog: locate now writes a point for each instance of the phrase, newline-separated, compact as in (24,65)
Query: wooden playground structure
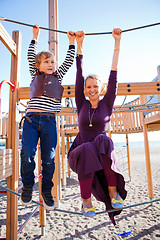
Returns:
(140,115)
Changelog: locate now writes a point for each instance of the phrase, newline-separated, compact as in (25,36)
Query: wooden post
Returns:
(128,156)
(158,72)
(53,47)
(58,158)
(147,154)
(13,143)
(63,152)
(109,131)
(42,211)
(53,23)
(56,190)
(68,146)
(4,125)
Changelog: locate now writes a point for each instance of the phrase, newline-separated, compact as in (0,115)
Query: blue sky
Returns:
(139,53)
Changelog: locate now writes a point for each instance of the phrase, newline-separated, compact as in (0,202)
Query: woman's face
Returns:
(92,89)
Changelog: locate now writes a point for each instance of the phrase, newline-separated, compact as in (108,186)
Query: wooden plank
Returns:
(24,93)
(56,190)
(7,40)
(4,122)
(13,143)
(42,211)
(6,159)
(116,122)
(4,171)
(63,147)
(113,122)
(147,155)
(53,23)
(128,156)
(6,165)
(153,127)
(148,88)
(158,73)
(152,119)
(59,159)
(5,152)
(5,174)
(68,146)
(72,132)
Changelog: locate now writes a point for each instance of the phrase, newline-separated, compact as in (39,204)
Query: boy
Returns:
(45,100)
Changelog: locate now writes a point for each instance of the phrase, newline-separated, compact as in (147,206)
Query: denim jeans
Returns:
(43,127)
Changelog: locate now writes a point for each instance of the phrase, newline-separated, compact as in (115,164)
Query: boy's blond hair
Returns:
(46,54)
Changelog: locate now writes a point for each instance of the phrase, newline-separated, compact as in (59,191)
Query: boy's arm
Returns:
(62,70)
(32,50)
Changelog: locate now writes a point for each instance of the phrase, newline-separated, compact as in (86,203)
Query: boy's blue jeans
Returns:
(43,127)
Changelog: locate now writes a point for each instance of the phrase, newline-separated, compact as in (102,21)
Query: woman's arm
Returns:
(110,95)
(79,87)
(116,33)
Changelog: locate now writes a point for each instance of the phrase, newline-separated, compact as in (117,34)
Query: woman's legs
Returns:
(86,187)
(110,177)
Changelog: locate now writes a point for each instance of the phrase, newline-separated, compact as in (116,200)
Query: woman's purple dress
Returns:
(91,144)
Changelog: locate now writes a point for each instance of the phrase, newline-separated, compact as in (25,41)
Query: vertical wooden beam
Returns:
(42,211)
(128,156)
(147,154)
(158,72)
(63,152)
(7,40)
(68,146)
(53,47)
(56,190)
(109,131)
(53,23)
(4,125)
(59,158)
(13,143)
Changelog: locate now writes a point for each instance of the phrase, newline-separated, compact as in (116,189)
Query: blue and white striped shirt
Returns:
(45,103)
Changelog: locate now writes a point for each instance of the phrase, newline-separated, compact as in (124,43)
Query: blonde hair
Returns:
(46,54)
(95,77)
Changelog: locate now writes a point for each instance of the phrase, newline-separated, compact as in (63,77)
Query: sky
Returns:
(139,51)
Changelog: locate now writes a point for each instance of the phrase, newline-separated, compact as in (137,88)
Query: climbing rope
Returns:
(122,158)
(76,213)
(121,105)
(87,34)
(132,108)
(146,102)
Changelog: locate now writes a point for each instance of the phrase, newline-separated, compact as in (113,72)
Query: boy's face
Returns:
(47,65)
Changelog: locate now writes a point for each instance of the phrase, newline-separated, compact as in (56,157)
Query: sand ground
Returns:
(143,221)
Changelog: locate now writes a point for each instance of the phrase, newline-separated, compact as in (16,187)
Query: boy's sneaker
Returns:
(48,201)
(26,195)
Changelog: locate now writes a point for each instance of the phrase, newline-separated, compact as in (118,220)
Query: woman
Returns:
(92,154)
